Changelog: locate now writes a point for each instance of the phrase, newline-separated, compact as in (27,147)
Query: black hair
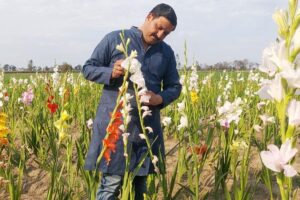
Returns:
(164,10)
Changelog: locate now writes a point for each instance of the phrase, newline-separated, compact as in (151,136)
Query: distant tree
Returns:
(65,67)
(46,68)
(78,67)
(13,68)
(30,65)
(6,67)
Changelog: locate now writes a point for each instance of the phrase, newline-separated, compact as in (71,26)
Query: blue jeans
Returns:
(110,186)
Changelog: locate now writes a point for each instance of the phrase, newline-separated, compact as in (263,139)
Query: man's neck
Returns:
(145,45)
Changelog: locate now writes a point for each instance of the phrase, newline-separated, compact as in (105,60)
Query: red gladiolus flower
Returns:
(52,107)
(109,143)
(106,155)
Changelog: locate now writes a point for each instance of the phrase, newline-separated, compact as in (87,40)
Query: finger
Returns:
(119,68)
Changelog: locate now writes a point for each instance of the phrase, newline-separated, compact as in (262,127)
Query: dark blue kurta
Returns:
(161,77)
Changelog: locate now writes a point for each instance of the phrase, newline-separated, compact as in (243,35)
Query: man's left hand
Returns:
(155,99)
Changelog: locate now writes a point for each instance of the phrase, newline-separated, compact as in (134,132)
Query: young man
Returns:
(158,66)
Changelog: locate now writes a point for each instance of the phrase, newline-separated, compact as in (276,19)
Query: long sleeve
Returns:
(97,68)
(171,85)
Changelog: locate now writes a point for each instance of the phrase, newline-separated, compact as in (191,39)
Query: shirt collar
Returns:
(137,31)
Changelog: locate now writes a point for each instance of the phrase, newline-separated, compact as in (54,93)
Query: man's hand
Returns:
(118,70)
(155,99)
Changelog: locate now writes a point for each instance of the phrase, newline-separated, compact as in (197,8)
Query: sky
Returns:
(57,31)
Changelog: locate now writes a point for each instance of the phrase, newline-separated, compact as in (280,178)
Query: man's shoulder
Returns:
(116,33)
(166,49)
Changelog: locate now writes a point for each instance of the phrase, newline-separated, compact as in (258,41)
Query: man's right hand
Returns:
(118,70)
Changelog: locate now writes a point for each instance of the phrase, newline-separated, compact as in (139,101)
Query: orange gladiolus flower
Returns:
(114,133)
(199,150)
(3,141)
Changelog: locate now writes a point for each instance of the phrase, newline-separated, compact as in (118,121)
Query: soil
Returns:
(36,181)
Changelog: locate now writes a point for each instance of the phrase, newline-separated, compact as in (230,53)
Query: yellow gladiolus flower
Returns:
(3,129)
(62,125)
(194,96)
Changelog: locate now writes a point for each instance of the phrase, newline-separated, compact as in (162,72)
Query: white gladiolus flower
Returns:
(61,91)
(258,128)
(125,137)
(183,122)
(292,77)
(272,90)
(230,112)
(148,128)
(133,54)
(145,108)
(147,113)
(127,97)
(154,162)
(120,47)
(142,136)
(293,112)
(128,119)
(138,79)
(131,64)
(14,80)
(181,106)
(166,121)
(122,127)
(181,80)
(278,159)
(275,59)
(260,105)
(89,123)
(142,91)
(145,98)
(193,80)
(55,76)
(267,119)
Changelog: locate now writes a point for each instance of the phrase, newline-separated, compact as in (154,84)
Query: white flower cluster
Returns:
(193,80)
(230,112)
(55,76)
(70,79)
(3,91)
(207,79)
(126,108)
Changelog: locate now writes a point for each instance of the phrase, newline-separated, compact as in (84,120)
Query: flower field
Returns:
(207,154)
(230,135)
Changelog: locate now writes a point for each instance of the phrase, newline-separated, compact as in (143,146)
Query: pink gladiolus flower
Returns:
(278,160)
(27,97)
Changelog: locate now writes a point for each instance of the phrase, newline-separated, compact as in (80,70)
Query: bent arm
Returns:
(97,68)
(171,85)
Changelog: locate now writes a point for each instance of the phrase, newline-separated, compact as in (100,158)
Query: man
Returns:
(158,66)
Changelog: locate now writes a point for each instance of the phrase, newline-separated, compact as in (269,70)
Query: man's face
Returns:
(156,29)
